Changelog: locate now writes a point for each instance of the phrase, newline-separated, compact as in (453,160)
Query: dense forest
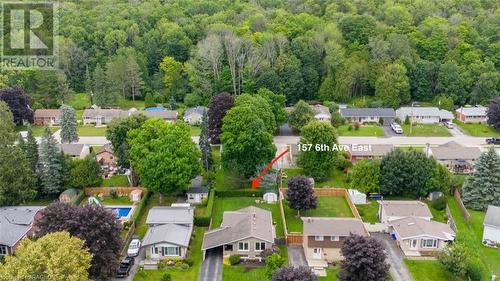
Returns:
(390,52)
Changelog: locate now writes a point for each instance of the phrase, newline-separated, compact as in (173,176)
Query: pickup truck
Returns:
(124,268)
(493,141)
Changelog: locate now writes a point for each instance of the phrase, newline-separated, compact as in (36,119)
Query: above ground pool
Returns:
(155,109)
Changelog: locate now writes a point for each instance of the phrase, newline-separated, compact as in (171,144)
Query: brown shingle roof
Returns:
(46,113)
(401,208)
(454,151)
(333,226)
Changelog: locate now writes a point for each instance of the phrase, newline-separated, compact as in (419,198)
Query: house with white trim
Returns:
(491,224)
(16,223)
(474,114)
(424,115)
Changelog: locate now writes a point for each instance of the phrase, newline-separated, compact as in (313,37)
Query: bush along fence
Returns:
(78,199)
(240,193)
(131,224)
(105,191)
(205,219)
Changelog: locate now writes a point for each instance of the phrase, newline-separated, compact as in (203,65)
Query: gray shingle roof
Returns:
(166,115)
(73,149)
(333,226)
(454,151)
(423,111)
(109,113)
(492,217)
(15,222)
(413,227)
(168,233)
(401,208)
(164,215)
(197,110)
(367,112)
(197,186)
(473,111)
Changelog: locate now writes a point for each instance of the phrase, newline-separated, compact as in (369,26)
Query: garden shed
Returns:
(357,197)
(135,195)
(68,195)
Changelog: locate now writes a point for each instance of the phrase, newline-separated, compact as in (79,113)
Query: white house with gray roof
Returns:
(424,115)
(491,232)
(16,223)
(245,232)
(390,210)
(474,114)
(193,115)
(368,115)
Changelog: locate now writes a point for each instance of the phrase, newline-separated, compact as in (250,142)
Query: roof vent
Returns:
(411,223)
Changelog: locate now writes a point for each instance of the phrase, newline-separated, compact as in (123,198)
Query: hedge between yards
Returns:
(139,209)
(240,193)
(204,220)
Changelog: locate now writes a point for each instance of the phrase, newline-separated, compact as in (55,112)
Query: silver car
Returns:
(134,247)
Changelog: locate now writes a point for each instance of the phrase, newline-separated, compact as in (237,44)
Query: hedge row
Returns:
(204,220)
(78,199)
(139,209)
(240,193)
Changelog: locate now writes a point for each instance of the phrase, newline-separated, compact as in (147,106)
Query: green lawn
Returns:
(80,101)
(337,178)
(116,181)
(127,104)
(124,200)
(438,215)
(478,130)
(426,130)
(427,270)
(180,275)
(243,273)
(195,130)
(331,274)
(363,131)
(91,131)
(235,203)
(328,206)
(368,212)
(39,202)
(37,130)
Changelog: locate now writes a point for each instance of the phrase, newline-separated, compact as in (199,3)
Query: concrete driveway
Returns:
(395,257)
(134,268)
(296,256)
(211,269)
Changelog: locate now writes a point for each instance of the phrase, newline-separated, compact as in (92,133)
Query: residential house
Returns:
(193,115)
(424,115)
(456,157)
(169,232)
(390,210)
(196,193)
(16,223)
(475,114)
(105,156)
(47,117)
(368,115)
(167,115)
(75,150)
(245,232)
(323,238)
(420,237)
(321,112)
(491,231)
(357,153)
(98,116)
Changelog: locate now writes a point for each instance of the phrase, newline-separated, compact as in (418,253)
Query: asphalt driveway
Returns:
(211,269)
(134,268)
(395,257)
(296,256)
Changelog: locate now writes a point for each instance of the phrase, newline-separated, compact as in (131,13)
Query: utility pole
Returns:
(411,118)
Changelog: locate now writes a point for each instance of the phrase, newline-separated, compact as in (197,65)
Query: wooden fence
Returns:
(121,191)
(294,239)
(461,206)
(127,239)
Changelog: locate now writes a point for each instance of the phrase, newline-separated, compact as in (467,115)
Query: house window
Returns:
(3,250)
(260,246)
(154,250)
(243,246)
(318,238)
(429,243)
(413,243)
(334,238)
(170,251)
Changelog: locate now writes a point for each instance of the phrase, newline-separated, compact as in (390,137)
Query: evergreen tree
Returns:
(102,97)
(20,141)
(134,78)
(50,165)
(482,188)
(206,149)
(31,149)
(88,81)
(69,133)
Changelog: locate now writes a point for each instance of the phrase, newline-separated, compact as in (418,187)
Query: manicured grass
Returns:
(124,200)
(116,181)
(363,131)
(225,180)
(141,226)
(243,273)
(426,130)
(478,130)
(80,101)
(337,178)
(180,275)
(126,104)
(328,206)
(438,215)
(195,130)
(417,148)
(427,270)
(235,203)
(37,130)
(331,274)
(91,131)
(368,212)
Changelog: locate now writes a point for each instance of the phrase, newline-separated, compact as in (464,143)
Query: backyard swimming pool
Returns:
(122,212)
(155,109)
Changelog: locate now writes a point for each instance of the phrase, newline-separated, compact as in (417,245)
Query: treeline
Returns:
(187,51)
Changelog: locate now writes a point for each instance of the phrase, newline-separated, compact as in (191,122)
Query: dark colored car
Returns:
(493,141)
(125,266)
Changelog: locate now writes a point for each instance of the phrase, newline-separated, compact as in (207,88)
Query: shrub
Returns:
(273,263)
(189,262)
(234,259)
(356,126)
(113,194)
(474,272)
(166,277)
(407,120)
(161,264)
(349,128)
(439,203)
(240,193)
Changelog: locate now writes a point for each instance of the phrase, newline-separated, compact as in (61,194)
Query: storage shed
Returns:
(270,197)
(68,195)
(135,195)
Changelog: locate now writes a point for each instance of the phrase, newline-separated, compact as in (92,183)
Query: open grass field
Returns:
(427,270)
(478,130)
(80,101)
(235,203)
(91,131)
(116,181)
(127,104)
(363,131)
(426,130)
(328,206)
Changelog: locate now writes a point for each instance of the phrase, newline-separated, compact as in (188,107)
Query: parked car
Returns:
(124,268)
(449,124)
(396,128)
(134,247)
(493,141)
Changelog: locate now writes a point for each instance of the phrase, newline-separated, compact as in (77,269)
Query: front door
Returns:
(197,198)
(317,253)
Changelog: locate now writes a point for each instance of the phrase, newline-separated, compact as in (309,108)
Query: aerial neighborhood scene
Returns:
(267,140)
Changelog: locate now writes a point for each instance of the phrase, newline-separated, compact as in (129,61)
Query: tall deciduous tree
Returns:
(19,104)
(56,256)
(366,176)
(319,159)
(482,188)
(364,260)
(246,142)
(292,273)
(392,86)
(300,194)
(261,107)
(31,150)
(117,135)
(300,116)
(217,109)
(96,225)
(7,125)
(494,113)
(85,172)
(277,103)
(153,144)
(50,165)
(69,133)
(205,147)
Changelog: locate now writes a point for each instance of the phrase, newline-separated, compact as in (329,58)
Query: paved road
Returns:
(296,256)
(395,257)
(211,269)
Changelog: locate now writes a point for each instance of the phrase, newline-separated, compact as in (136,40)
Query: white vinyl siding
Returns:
(243,246)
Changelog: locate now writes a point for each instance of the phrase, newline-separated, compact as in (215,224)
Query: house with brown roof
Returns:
(323,238)
(421,237)
(390,210)
(456,157)
(245,232)
(100,116)
(368,152)
(105,156)
(47,117)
